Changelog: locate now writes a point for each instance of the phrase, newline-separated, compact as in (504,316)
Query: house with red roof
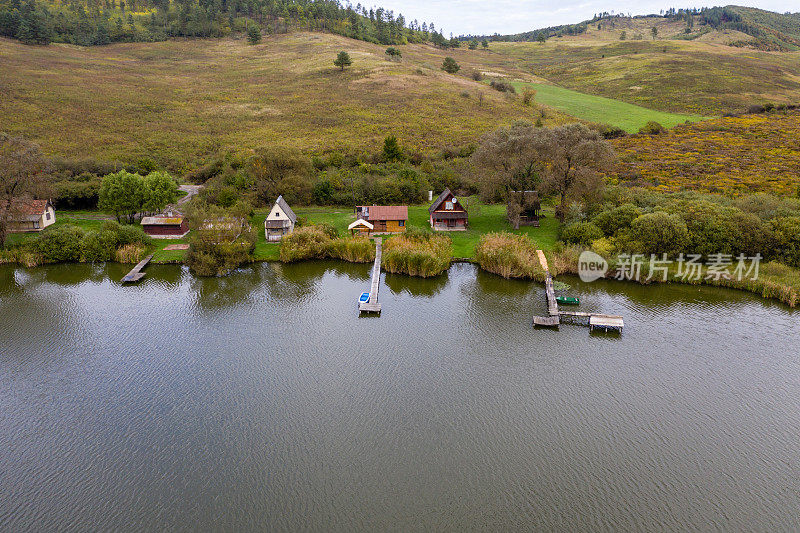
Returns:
(383,218)
(30,216)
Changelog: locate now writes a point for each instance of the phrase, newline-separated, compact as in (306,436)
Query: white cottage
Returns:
(30,216)
(280,221)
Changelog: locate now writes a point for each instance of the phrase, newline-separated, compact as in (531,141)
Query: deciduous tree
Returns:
(22,171)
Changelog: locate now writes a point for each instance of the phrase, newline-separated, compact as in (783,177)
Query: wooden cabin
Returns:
(524,208)
(384,218)
(168,226)
(447,213)
(30,216)
(280,221)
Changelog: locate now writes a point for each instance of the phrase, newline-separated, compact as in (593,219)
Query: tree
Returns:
(22,171)
(393,53)
(623,36)
(509,159)
(450,66)
(221,239)
(654,32)
(160,190)
(123,194)
(343,60)
(660,233)
(279,171)
(573,154)
(253,34)
(391,149)
(485,44)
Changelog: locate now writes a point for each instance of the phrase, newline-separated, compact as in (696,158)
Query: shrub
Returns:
(323,242)
(615,219)
(528,96)
(651,128)
(99,246)
(509,255)
(659,232)
(60,244)
(417,253)
(502,86)
(253,34)
(787,232)
(580,233)
(477,75)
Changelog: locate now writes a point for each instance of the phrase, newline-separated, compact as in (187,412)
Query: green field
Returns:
(482,219)
(602,110)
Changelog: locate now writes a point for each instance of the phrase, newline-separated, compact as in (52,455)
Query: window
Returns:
(448,206)
(401,223)
(48,215)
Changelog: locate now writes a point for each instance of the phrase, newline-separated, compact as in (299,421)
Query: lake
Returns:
(261,401)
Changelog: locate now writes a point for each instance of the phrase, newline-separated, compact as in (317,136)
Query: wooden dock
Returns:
(373,306)
(136,272)
(593,320)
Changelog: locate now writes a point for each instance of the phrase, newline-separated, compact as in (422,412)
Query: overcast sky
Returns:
(513,16)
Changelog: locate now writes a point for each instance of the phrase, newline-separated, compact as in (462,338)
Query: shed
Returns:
(280,221)
(523,208)
(30,216)
(447,213)
(168,226)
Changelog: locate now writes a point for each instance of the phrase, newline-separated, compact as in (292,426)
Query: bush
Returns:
(615,219)
(450,66)
(81,192)
(659,232)
(502,86)
(322,242)
(509,255)
(580,233)
(417,253)
(528,96)
(477,75)
(61,244)
(652,128)
(99,246)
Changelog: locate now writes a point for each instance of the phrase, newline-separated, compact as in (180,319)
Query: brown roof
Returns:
(30,207)
(386,212)
(162,221)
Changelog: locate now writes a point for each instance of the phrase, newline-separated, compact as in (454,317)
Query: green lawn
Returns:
(482,219)
(629,117)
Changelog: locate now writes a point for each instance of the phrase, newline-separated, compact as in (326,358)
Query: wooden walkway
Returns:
(136,272)
(593,320)
(373,306)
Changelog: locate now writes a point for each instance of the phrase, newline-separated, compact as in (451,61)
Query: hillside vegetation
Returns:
(735,155)
(180,101)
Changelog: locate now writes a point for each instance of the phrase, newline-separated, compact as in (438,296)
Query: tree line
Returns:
(99,22)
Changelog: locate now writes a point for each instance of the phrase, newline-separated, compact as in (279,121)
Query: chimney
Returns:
(430,196)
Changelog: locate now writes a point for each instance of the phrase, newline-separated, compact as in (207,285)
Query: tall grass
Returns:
(315,242)
(509,255)
(417,253)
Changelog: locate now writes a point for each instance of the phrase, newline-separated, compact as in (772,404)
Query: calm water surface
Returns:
(262,402)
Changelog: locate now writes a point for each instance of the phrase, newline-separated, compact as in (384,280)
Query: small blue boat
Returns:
(364,298)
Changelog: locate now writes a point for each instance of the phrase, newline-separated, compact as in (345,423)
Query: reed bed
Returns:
(509,255)
(130,254)
(417,253)
(318,242)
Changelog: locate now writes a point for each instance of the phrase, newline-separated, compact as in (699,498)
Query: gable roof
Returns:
(286,209)
(386,212)
(361,222)
(440,199)
(29,210)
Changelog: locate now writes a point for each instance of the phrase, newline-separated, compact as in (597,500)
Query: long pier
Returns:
(136,272)
(373,306)
(593,320)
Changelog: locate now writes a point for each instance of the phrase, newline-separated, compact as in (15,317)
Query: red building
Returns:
(165,227)
(447,213)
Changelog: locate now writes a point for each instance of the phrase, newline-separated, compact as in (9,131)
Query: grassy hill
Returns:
(181,100)
(694,77)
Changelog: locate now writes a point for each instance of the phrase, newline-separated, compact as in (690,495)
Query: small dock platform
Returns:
(593,320)
(373,306)
(136,272)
